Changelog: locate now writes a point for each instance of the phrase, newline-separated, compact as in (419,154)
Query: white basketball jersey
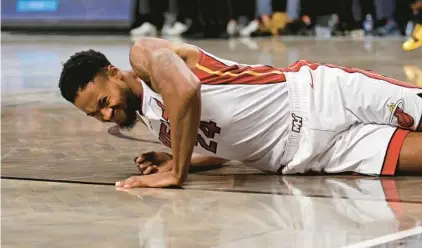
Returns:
(245,112)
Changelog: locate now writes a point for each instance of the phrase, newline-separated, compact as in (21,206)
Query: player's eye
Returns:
(103,102)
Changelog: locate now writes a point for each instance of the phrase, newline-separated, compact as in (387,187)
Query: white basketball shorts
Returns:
(347,120)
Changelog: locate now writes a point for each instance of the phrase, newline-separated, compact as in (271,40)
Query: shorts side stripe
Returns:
(393,152)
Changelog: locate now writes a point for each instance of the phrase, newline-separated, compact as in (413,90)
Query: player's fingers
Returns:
(140,159)
(144,165)
(134,184)
(151,169)
(131,182)
(146,156)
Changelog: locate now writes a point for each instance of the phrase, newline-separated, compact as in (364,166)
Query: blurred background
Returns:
(46,139)
(216,18)
(273,31)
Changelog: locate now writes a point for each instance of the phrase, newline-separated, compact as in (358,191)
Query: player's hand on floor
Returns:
(154,162)
(157,180)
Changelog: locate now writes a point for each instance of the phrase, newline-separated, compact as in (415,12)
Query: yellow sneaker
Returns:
(279,20)
(266,24)
(415,40)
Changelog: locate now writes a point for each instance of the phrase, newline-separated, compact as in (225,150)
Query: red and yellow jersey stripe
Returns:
(213,71)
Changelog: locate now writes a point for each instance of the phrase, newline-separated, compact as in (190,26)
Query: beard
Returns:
(133,104)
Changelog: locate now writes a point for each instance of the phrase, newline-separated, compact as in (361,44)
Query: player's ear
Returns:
(114,72)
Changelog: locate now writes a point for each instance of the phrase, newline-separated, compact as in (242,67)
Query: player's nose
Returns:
(107,114)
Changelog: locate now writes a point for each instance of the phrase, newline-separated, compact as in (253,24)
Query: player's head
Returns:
(95,86)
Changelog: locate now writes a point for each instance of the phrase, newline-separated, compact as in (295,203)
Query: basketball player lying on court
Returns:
(307,117)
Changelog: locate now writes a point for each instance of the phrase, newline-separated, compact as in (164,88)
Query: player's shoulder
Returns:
(142,51)
(151,44)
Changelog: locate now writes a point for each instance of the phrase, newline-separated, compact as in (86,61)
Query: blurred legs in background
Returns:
(149,17)
(348,23)
(217,18)
(238,9)
(214,16)
(415,40)
(385,23)
(403,14)
(263,11)
(280,16)
(186,17)
(293,9)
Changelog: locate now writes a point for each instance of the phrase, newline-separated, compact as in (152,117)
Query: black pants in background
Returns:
(214,16)
(187,9)
(315,9)
(151,11)
(418,17)
(403,14)
(347,19)
(239,8)
(279,5)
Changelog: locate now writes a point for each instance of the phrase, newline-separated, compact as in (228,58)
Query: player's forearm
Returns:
(201,160)
(180,90)
(184,124)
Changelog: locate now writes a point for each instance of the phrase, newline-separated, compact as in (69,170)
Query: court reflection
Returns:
(350,211)
(413,74)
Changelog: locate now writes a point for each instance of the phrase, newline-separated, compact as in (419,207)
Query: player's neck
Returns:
(132,81)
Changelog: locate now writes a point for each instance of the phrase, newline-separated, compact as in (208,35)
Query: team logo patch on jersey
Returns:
(399,116)
(296,123)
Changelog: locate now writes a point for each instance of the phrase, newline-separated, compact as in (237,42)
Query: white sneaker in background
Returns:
(146,29)
(232,28)
(177,29)
(165,29)
(253,26)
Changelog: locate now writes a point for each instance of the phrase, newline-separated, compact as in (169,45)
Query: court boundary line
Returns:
(202,189)
(387,238)
(54,180)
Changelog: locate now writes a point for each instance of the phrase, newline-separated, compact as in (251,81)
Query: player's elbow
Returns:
(193,88)
(163,57)
(189,96)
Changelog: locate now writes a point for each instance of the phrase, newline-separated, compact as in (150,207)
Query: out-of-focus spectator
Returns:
(279,18)
(238,9)
(293,9)
(214,16)
(385,23)
(309,15)
(149,17)
(403,14)
(186,18)
(347,21)
(264,16)
(263,12)
(415,40)
(217,18)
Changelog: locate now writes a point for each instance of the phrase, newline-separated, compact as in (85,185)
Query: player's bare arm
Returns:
(142,54)
(170,76)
